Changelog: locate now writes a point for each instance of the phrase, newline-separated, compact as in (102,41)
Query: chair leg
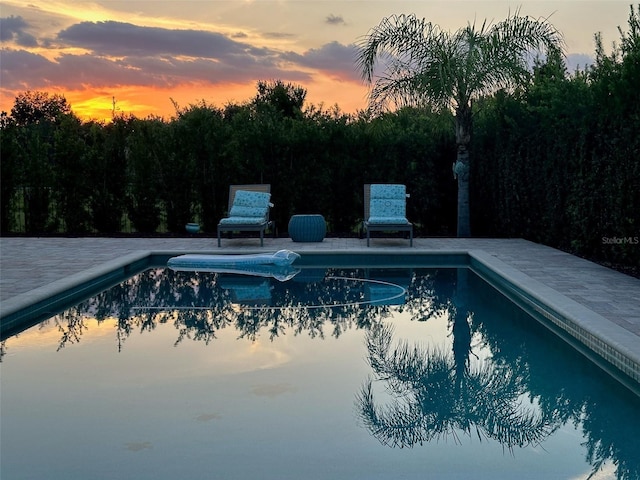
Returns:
(368,237)
(262,238)
(219,245)
(411,237)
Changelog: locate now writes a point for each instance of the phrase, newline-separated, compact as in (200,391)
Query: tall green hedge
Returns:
(559,162)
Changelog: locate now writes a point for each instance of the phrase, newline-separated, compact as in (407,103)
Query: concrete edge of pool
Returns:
(14,310)
(590,329)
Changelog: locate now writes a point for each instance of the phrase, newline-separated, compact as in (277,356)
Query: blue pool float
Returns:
(276,265)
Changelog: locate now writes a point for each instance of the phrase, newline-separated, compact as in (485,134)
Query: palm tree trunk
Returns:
(461,168)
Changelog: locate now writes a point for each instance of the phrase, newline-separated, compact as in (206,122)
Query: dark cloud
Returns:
(19,65)
(23,70)
(111,38)
(13,28)
(278,35)
(334,58)
(334,20)
(9,26)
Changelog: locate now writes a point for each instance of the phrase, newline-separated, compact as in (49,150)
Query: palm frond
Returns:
(391,54)
(409,61)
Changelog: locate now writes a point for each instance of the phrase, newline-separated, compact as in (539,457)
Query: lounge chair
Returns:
(385,210)
(248,210)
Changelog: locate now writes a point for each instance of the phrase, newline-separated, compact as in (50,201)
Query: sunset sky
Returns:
(144,54)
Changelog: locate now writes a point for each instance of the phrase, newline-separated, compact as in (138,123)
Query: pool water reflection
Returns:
(335,373)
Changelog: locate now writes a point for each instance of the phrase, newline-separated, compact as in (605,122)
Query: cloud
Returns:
(19,66)
(159,71)
(334,20)
(333,57)
(10,26)
(277,35)
(110,38)
(13,28)
(22,69)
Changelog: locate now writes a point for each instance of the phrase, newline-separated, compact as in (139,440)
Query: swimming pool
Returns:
(326,375)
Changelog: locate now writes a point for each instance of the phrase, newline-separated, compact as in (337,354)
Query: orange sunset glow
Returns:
(140,57)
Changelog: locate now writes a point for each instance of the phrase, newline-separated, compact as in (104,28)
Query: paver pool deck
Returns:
(606,299)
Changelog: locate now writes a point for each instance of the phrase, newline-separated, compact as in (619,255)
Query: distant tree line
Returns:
(556,162)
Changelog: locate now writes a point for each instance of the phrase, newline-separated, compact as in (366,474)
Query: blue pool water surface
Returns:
(336,373)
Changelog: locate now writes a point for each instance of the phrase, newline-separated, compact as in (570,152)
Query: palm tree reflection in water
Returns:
(435,394)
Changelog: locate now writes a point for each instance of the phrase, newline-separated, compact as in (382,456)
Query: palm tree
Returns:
(435,395)
(422,64)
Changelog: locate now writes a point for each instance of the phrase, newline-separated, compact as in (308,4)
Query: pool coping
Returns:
(591,330)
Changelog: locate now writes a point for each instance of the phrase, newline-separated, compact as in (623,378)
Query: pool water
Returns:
(335,373)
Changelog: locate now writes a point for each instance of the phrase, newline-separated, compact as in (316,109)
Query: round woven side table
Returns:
(307,228)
